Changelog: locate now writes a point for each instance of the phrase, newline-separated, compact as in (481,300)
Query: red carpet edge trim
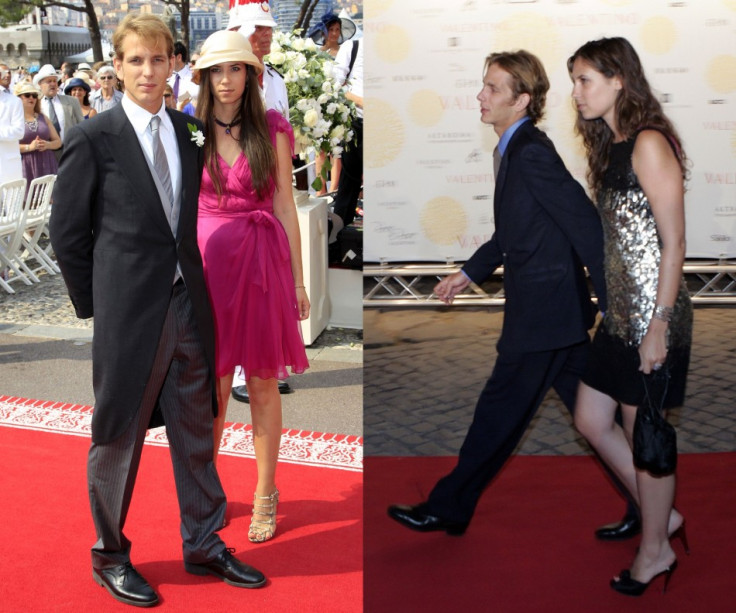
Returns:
(339,451)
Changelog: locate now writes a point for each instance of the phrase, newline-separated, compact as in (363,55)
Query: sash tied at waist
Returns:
(266,237)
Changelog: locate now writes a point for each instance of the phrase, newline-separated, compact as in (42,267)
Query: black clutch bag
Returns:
(655,439)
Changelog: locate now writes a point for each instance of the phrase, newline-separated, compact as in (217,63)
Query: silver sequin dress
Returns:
(632,256)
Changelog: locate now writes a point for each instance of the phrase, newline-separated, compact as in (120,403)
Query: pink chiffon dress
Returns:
(247,267)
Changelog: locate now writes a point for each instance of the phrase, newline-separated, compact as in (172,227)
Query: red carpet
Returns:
(530,547)
(314,563)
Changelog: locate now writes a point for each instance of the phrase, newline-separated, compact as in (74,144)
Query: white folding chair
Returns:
(12,196)
(38,201)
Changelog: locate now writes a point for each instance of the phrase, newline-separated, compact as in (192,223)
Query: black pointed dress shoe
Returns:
(228,568)
(240,392)
(416,519)
(126,584)
(627,528)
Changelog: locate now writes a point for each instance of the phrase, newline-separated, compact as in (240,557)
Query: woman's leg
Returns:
(659,519)
(224,385)
(265,408)
(595,414)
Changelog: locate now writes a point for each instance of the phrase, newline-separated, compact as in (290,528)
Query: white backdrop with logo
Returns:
(428,158)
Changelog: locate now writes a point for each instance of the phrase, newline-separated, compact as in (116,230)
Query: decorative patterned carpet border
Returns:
(297,446)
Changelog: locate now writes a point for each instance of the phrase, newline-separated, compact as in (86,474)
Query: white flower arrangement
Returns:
(197,137)
(319,112)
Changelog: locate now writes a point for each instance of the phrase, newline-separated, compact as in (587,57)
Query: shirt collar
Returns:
(140,117)
(506,137)
(184,73)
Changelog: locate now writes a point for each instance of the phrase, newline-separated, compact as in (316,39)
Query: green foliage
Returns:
(12,11)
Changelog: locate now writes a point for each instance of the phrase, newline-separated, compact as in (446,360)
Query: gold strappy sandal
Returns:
(263,506)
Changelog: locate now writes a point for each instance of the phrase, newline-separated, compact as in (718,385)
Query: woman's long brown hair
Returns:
(636,106)
(254,139)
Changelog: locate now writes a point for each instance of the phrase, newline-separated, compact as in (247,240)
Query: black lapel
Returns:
(132,163)
(189,156)
(503,171)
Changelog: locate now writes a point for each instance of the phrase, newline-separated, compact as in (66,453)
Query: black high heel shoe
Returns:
(631,587)
(682,535)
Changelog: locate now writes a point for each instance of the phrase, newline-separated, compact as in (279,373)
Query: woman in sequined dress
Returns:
(636,172)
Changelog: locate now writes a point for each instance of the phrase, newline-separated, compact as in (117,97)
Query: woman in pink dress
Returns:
(249,239)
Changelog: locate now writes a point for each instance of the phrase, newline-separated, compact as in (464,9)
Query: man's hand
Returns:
(358,100)
(451,286)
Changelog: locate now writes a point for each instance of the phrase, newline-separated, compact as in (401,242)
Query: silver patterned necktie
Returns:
(496,162)
(160,162)
(52,115)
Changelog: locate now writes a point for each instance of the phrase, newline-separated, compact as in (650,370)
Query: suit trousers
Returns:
(511,396)
(351,176)
(180,384)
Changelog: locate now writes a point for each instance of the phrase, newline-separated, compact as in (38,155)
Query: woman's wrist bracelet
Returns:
(300,287)
(663,313)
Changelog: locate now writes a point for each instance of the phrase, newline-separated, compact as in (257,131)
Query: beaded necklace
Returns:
(33,124)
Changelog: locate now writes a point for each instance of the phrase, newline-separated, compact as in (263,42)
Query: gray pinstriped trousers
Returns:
(180,382)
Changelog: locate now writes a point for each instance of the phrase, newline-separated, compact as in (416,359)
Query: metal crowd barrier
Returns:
(410,285)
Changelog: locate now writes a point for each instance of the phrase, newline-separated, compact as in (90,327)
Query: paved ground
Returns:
(424,369)
(45,354)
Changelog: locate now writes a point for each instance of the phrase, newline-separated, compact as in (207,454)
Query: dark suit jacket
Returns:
(546,230)
(72,112)
(118,256)
(72,117)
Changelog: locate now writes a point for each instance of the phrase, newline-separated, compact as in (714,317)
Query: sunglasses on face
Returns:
(29,95)
(167,95)
(105,78)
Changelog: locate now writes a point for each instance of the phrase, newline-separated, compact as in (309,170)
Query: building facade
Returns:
(31,46)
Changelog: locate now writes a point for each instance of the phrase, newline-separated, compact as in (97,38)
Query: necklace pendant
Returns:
(227,130)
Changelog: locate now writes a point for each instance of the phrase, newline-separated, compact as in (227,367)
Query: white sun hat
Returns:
(245,15)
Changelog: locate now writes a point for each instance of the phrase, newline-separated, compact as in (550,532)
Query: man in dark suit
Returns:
(124,228)
(546,231)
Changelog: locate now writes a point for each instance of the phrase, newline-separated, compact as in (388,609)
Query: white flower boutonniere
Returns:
(196,133)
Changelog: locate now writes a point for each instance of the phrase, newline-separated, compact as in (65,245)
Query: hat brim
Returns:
(26,88)
(348,28)
(40,77)
(347,31)
(229,55)
(236,22)
(76,82)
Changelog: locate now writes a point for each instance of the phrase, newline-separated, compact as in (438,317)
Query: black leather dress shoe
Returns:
(228,568)
(126,584)
(240,392)
(627,528)
(416,519)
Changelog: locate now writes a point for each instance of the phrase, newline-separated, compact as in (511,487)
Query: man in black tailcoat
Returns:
(124,229)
